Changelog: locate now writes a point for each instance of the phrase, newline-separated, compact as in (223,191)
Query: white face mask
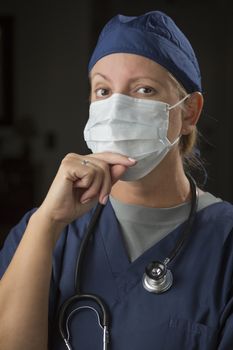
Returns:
(133,127)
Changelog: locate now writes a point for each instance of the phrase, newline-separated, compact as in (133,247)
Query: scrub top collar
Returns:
(126,273)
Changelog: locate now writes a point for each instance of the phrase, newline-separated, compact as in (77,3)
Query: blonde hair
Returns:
(188,143)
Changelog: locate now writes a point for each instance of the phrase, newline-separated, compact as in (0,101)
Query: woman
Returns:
(145,102)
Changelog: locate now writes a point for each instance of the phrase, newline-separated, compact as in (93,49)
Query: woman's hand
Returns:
(81,181)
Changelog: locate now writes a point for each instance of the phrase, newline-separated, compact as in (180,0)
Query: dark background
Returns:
(44,88)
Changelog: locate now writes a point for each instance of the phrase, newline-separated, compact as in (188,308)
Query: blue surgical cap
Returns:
(153,35)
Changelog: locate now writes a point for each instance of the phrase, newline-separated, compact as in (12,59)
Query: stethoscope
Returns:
(156,279)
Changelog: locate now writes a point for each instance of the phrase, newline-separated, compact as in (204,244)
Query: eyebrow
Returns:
(132,80)
(101,75)
(135,79)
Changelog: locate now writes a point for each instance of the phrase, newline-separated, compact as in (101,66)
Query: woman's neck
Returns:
(164,187)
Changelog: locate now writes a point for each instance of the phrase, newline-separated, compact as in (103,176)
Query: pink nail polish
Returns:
(132,160)
(105,199)
(85,201)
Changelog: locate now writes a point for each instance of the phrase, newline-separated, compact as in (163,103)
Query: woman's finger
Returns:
(97,173)
(114,158)
(112,172)
(94,189)
(116,172)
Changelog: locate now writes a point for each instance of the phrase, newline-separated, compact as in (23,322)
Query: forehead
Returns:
(128,65)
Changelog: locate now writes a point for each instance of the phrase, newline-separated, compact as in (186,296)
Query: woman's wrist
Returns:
(46,226)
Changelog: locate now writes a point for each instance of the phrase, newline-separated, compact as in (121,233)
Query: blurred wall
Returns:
(51,49)
(50,88)
(52,43)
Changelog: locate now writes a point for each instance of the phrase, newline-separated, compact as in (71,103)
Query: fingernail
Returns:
(132,160)
(84,201)
(105,199)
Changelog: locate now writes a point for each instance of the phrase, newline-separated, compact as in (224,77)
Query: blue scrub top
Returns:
(195,314)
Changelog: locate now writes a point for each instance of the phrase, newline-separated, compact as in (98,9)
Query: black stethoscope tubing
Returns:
(189,222)
(104,318)
(79,296)
(83,245)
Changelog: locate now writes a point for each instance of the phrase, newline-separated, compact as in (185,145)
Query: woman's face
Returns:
(138,77)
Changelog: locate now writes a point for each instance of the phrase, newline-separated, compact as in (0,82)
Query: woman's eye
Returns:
(101,92)
(145,90)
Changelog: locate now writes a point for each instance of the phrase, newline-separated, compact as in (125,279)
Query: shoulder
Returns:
(12,241)
(214,225)
(220,210)
(16,233)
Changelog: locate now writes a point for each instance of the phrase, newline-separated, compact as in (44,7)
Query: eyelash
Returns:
(152,90)
(98,92)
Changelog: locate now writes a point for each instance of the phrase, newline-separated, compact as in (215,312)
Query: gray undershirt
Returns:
(142,227)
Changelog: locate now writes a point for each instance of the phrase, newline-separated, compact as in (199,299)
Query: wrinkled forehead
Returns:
(128,63)
(127,68)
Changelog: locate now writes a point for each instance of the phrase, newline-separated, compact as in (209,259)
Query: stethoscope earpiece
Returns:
(157,277)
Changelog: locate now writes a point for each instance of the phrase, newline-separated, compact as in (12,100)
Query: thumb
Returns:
(117,171)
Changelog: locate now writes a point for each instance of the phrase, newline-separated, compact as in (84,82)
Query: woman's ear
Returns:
(192,112)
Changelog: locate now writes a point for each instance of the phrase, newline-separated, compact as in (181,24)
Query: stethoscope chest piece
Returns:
(157,277)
